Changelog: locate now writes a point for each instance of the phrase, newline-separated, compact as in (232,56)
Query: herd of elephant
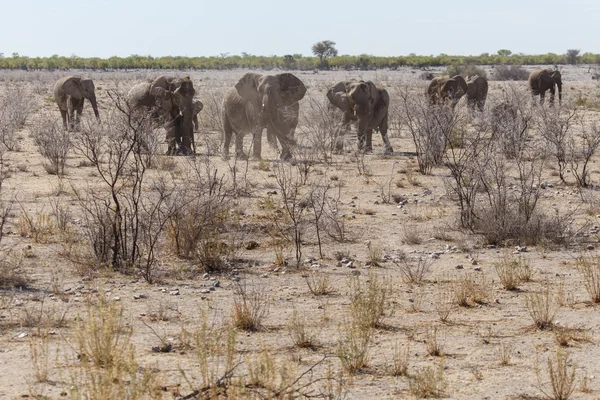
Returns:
(260,101)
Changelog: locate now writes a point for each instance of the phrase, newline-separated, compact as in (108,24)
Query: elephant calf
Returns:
(170,101)
(262,101)
(477,89)
(444,88)
(197,106)
(363,102)
(541,80)
(69,94)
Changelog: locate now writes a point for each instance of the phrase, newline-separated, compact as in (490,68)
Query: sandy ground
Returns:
(57,295)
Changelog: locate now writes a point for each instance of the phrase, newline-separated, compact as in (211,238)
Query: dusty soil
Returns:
(48,309)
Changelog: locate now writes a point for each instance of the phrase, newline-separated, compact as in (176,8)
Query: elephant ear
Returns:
(338,97)
(198,106)
(292,90)
(163,97)
(72,87)
(247,86)
(461,85)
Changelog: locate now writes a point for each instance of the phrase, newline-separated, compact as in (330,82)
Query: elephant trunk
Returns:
(94,105)
(559,86)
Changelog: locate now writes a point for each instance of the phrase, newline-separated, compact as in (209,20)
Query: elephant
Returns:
(477,89)
(541,80)
(262,101)
(443,88)
(363,102)
(170,101)
(70,93)
(197,106)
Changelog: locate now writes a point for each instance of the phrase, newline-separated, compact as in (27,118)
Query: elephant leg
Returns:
(257,142)
(78,105)
(239,146)
(383,129)
(552,92)
(71,113)
(63,114)
(362,132)
(227,133)
(171,139)
(195,122)
(272,138)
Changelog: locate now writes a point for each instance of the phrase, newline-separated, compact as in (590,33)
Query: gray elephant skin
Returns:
(170,101)
(70,93)
(197,106)
(262,101)
(363,102)
(477,89)
(443,88)
(541,80)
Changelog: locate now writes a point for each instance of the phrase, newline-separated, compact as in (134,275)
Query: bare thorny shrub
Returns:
(202,225)
(322,128)
(571,139)
(125,218)
(560,383)
(430,126)
(53,143)
(15,107)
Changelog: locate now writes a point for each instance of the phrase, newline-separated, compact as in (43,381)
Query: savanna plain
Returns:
(462,266)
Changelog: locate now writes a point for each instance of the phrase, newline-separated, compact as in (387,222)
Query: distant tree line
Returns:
(289,62)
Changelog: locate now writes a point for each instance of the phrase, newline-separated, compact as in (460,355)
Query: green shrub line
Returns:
(289,62)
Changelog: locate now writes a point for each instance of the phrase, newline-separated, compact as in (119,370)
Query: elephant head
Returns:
(541,80)
(70,93)
(175,97)
(197,106)
(271,93)
(453,89)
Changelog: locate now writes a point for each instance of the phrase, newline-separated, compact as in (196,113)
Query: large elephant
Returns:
(541,80)
(363,102)
(477,89)
(70,93)
(262,101)
(444,88)
(170,100)
(197,106)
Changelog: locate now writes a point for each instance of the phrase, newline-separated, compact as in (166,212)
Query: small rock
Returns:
(251,245)
(590,247)
(459,266)
(139,296)
(174,292)
(18,302)
(310,260)
(477,268)
(205,291)
(473,262)
(165,348)
(216,283)
(206,276)
(355,272)
(117,298)
(21,335)
(349,264)
(265,275)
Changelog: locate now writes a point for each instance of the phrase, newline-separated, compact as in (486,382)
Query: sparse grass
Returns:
(302,336)
(411,235)
(565,335)
(374,255)
(319,283)
(561,377)
(511,271)
(589,267)
(470,289)
(504,354)
(444,303)
(414,270)
(400,360)
(542,307)
(370,301)
(429,382)
(250,307)
(353,346)
(432,345)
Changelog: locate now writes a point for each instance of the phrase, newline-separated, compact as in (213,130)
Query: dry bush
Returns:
(564,335)
(53,143)
(465,70)
(432,345)
(39,352)
(250,306)
(302,336)
(369,301)
(400,360)
(589,267)
(322,128)
(470,289)
(11,273)
(504,353)
(542,307)
(508,272)
(444,303)
(429,382)
(15,107)
(209,119)
(412,235)
(430,127)
(319,283)
(561,377)
(414,270)
(510,73)
(353,346)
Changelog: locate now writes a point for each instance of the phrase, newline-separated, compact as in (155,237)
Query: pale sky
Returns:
(105,28)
